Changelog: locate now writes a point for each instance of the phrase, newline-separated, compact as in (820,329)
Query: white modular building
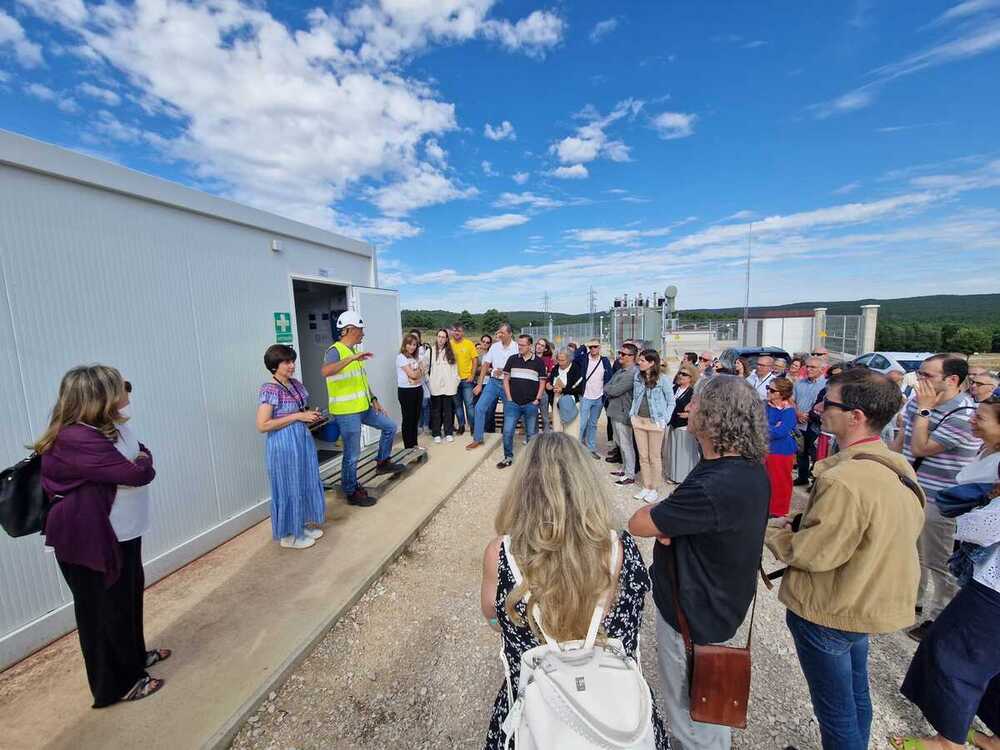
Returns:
(182,291)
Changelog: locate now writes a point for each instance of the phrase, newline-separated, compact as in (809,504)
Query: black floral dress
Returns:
(622,621)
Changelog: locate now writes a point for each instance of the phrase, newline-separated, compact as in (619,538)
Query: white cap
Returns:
(350,318)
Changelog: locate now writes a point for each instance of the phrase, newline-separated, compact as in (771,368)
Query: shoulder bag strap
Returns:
(906,481)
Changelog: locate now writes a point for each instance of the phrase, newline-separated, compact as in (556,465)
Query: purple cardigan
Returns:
(85,468)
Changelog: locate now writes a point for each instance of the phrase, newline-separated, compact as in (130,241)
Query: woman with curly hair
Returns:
(710,532)
(555,541)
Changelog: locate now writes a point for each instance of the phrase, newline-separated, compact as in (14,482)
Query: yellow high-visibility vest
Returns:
(348,389)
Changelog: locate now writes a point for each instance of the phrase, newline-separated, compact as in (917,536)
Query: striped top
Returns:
(954,434)
(284,400)
(524,375)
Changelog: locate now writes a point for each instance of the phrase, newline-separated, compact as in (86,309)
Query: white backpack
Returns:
(578,695)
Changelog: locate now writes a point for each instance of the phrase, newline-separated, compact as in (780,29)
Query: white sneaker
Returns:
(641,494)
(449,439)
(437,440)
(652,496)
(313,533)
(303,542)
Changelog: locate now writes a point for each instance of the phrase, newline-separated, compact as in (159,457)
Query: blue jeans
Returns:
(835,665)
(425,412)
(511,413)
(463,403)
(590,412)
(488,397)
(350,431)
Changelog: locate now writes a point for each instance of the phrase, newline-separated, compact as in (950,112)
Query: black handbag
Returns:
(23,503)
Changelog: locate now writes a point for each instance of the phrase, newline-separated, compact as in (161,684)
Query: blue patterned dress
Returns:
(296,490)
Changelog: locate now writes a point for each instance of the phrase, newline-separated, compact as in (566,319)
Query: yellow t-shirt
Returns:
(465,352)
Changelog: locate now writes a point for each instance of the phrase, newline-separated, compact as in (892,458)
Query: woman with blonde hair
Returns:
(82,466)
(554,520)
(683,453)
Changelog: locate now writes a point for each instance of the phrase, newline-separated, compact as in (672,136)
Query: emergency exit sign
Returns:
(283,327)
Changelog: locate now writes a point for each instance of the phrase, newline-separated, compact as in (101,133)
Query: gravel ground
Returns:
(413,664)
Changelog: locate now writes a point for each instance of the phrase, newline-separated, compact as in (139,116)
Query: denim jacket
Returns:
(660,397)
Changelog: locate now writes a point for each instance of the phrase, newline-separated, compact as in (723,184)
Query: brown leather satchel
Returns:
(719,676)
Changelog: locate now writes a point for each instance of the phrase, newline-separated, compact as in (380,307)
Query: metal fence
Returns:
(843,335)
(559,336)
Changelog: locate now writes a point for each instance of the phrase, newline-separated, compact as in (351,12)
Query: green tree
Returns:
(492,320)
(467,319)
(995,347)
(890,337)
(948,332)
(969,340)
(923,337)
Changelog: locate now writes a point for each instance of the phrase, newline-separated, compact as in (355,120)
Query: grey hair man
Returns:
(762,375)
(981,383)
(619,394)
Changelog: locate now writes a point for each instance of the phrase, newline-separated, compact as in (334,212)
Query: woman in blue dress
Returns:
(297,496)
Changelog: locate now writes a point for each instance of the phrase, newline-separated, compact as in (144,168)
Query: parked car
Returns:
(884,361)
(751,353)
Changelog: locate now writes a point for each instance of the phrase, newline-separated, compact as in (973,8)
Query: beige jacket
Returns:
(853,564)
(443,379)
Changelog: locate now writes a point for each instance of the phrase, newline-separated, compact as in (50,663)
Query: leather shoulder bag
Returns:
(718,676)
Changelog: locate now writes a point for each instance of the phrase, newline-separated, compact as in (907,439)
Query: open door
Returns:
(379,308)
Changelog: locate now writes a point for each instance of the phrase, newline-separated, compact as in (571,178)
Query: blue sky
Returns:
(498,151)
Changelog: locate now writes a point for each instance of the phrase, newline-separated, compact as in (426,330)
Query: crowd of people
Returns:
(901,529)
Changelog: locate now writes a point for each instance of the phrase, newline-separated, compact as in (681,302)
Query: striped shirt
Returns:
(524,375)
(953,433)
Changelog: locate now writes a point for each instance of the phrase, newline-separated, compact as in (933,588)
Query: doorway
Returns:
(317,305)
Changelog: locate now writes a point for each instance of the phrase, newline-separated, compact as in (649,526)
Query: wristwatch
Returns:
(925,413)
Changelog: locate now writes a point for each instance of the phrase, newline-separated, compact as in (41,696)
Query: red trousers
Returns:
(779,471)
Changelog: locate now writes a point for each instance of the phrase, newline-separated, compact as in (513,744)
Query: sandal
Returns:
(144,688)
(160,654)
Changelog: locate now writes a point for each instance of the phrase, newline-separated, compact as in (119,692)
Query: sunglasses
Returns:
(592,346)
(773,390)
(827,403)
(818,354)
(624,354)
(128,387)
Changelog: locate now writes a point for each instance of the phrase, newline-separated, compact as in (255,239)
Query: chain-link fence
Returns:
(843,335)
(562,335)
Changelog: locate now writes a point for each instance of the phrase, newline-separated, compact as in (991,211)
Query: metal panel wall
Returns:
(183,304)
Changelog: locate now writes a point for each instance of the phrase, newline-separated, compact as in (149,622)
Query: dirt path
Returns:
(413,664)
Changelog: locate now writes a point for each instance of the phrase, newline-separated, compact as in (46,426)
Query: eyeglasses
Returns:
(981,384)
(827,403)
(773,390)
(625,354)
(819,354)
(128,387)
(593,346)
(925,374)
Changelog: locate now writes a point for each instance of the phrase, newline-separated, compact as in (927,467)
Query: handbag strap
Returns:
(682,618)
(906,481)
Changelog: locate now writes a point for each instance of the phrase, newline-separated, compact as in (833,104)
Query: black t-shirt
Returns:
(524,377)
(716,521)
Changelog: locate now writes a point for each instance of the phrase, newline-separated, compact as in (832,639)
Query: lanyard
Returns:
(296,396)
(872,439)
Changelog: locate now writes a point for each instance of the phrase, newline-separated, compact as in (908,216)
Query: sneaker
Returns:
(920,632)
(618,473)
(641,494)
(596,455)
(625,480)
(505,463)
(313,533)
(614,458)
(652,496)
(302,542)
(360,497)
(449,438)
(437,439)
(388,467)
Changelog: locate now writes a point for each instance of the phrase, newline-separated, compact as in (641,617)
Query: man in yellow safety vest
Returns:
(352,404)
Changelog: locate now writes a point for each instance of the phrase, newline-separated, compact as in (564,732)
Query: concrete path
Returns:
(238,619)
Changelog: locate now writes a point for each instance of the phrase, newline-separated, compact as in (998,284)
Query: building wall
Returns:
(182,303)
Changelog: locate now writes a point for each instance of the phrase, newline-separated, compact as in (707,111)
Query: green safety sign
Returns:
(283,327)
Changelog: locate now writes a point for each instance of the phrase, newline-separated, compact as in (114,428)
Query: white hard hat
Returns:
(350,318)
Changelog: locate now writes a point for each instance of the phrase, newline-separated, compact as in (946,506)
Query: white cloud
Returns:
(978,32)
(576,172)
(488,169)
(520,177)
(97,92)
(754,44)
(602,29)
(294,119)
(616,236)
(43,93)
(12,35)
(850,187)
(671,125)
(533,35)
(422,185)
(501,132)
(743,215)
(591,141)
(495,223)
(509,200)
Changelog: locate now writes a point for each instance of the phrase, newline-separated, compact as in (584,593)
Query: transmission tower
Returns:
(592,302)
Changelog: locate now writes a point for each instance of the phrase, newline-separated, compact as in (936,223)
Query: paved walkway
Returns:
(239,620)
